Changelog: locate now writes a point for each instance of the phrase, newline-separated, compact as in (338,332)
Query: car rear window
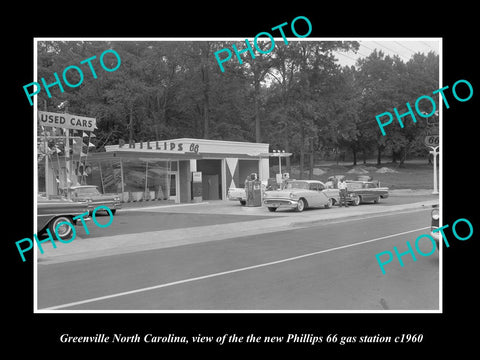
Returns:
(354,186)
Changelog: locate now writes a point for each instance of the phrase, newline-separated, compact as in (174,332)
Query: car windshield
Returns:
(87,191)
(297,185)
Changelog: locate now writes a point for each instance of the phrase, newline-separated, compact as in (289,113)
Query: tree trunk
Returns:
(164,112)
(394,157)
(302,158)
(206,103)
(162,105)
(354,152)
(312,160)
(404,157)
(157,111)
(130,124)
(287,150)
(204,55)
(302,151)
(256,109)
(379,155)
(206,121)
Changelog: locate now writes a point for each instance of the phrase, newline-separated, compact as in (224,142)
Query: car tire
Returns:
(272,209)
(64,231)
(356,200)
(301,205)
(90,213)
(243,202)
(329,204)
(376,200)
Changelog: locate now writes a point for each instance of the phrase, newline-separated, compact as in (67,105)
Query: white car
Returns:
(237,194)
(301,194)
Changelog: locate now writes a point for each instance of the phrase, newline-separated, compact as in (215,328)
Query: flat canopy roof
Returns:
(189,146)
(164,156)
(137,154)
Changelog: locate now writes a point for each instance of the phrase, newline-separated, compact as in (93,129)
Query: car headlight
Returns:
(435,214)
(116,198)
(292,196)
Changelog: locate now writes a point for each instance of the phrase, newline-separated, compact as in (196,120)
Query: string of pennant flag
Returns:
(52,144)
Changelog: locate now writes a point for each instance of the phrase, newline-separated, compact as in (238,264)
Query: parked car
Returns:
(237,194)
(90,192)
(435,214)
(365,191)
(51,212)
(301,194)
(364,178)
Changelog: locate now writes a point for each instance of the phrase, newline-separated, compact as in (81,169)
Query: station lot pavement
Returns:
(147,226)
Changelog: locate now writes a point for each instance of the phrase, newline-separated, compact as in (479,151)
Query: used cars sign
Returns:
(67,121)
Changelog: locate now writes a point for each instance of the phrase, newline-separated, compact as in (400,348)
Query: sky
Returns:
(402,47)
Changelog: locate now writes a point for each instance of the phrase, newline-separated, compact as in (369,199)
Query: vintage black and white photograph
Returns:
(258,174)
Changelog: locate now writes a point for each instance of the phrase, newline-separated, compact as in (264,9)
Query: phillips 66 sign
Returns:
(432,140)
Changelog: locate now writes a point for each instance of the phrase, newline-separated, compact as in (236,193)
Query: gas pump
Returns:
(253,190)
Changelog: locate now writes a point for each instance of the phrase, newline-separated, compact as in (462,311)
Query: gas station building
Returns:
(177,170)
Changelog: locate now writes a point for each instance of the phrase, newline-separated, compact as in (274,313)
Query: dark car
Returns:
(365,191)
(51,212)
(91,193)
(435,223)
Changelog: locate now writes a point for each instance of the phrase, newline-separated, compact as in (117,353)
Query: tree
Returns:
(254,71)
(387,83)
(296,97)
(377,82)
(303,94)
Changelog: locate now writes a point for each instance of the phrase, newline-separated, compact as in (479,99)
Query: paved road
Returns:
(330,266)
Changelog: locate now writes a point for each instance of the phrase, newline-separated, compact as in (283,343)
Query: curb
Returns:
(412,192)
(139,208)
(391,209)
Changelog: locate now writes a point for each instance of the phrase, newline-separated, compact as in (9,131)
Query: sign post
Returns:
(432,141)
(434,151)
(67,161)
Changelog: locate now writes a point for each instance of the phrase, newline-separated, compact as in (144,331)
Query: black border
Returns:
(42,331)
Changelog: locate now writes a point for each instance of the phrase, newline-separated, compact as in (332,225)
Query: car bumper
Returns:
(236,198)
(281,203)
(435,235)
(350,197)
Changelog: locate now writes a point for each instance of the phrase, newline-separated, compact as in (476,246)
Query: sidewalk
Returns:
(411,192)
(85,248)
(423,193)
